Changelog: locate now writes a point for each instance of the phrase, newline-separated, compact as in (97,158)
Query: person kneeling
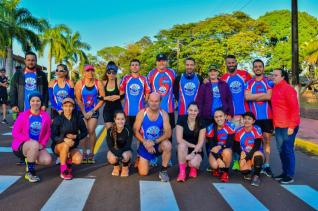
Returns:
(119,138)
(220,136)
(249,141)
(190,134)
(67,131)
(31,132)
(152,129)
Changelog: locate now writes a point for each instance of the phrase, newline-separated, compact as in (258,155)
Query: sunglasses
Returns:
(60,70)
(111,72)
(90,70)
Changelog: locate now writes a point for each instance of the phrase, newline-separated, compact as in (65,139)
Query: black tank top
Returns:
(112,105)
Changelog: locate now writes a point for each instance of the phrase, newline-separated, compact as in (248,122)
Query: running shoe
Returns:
(225,177)
(163,176)
(4,121)
(84,160)
(208,169)
(193,172)
(31,177)
(90,158)
(256,181)
(248,176)
(66,175)
(279,177)
(154,162)
(181,176)
(236,165)
(286,180)
(267,171)
(20,163)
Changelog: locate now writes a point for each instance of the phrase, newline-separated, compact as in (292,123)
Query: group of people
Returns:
(230,117)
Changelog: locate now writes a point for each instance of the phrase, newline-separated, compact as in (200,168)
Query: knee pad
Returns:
(258,161)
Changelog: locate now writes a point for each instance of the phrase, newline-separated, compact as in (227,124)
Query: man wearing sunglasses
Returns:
(136,89)
(27,81)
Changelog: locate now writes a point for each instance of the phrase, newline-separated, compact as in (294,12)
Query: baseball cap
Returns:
(88,67)
(68,100)
(161,56)
(213,67)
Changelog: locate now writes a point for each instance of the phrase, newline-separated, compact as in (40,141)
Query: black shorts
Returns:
(95,115)
(3,98)
(172,120)
(130,121)
(266,125)
(19,152)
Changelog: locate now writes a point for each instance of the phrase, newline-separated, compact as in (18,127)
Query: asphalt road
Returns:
(95,189)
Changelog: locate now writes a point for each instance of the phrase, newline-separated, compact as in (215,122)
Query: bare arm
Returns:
(179,136)
(137,126)
(198,147)
(101,93)
(166,128)
(78,95)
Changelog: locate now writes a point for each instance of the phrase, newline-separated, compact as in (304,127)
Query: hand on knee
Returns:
(77,159)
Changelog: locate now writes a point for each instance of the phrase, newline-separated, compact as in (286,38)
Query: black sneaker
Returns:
(286,180)
(4,121)
(256,181)
(279,177)
(248,176)
(267,171)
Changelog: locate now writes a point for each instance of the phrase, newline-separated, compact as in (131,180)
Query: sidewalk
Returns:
(307,137)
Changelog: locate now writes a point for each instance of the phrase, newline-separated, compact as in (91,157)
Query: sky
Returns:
(103,23)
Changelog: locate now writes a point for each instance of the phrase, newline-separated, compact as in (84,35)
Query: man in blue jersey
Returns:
(136,89)
(258,93)
(186,86)
(152,129)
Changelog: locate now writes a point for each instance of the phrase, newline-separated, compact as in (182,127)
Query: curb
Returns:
(307,145)
(100,140)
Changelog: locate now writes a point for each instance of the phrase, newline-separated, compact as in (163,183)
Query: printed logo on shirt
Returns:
(236,87)
(30,84)
(152,132)
(35,128)
(89,101)
(249,142)
(216,92)
(189,88)
(163,85)
(61,95)
(134,89)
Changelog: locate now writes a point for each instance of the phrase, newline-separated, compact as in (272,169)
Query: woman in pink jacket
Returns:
(31,132)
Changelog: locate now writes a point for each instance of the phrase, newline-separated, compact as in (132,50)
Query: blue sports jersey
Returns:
(222,134)
(188,91)
(135,89)
(217,101)
(35,126)
(261,109)
(30,86)
(89,96)
(247,138)
(162,83)
(59,94)
(151,130)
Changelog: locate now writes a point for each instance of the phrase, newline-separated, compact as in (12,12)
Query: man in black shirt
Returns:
(4,83)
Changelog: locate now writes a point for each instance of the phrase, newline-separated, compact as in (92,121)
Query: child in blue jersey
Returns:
(248,142)
(59,89)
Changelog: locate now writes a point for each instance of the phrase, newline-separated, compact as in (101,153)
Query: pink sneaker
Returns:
(193,172)
(66,175)
(182,172)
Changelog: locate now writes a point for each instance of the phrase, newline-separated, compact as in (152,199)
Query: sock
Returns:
(126,163)
(163,168)
(63,167)
(31,167)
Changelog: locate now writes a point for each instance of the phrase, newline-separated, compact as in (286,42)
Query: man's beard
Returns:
(31,68)
(231,69)
(258,74)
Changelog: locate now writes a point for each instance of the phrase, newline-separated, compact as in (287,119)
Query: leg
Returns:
(62,150)
(112,159)
(196,161)
(227,157)
(165,148)
(84,142)
(212,162)
(4,110)
(126,160)
(182,153)
(289,152)
(44,158)
(30,150)
(267,147)
(143,166)
(257,162)
(91,126)
(281,135)
(76,156)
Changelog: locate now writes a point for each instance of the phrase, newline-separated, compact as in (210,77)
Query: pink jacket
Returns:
(20,131)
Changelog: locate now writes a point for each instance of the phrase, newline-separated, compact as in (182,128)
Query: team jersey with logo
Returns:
(151,130)
(35,126)
(247,138)
(30,86)
(162,83)
(237,83)
(59,94)
(135,89)
(217,102)
(222,134)
(188,91)
(261,109)
(89,96)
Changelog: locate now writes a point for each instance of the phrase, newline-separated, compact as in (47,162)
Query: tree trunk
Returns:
(9,61)
(49,68)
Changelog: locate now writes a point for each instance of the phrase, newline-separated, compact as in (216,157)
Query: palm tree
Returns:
(54,39)
(74,51)
(18,24)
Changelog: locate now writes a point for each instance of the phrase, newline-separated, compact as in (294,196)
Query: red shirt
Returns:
(285,106)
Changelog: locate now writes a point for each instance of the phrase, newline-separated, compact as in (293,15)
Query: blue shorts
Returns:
(142,152)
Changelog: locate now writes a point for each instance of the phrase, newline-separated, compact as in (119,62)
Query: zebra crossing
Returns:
(157,196)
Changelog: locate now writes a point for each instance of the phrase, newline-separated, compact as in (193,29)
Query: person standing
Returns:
(136,89)
(4,83)
(27,81)
(186,87)
(258,94)
(286,119)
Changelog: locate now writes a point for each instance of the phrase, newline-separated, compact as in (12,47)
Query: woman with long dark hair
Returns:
(118,139)
(112,96)
(190,132)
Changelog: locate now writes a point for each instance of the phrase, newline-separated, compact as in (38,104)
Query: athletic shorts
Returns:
(142,152)
(172,120)
(3,98)
(19,152)
(266,125)
(95,115)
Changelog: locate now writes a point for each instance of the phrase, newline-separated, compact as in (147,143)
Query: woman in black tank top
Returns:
(112,99)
